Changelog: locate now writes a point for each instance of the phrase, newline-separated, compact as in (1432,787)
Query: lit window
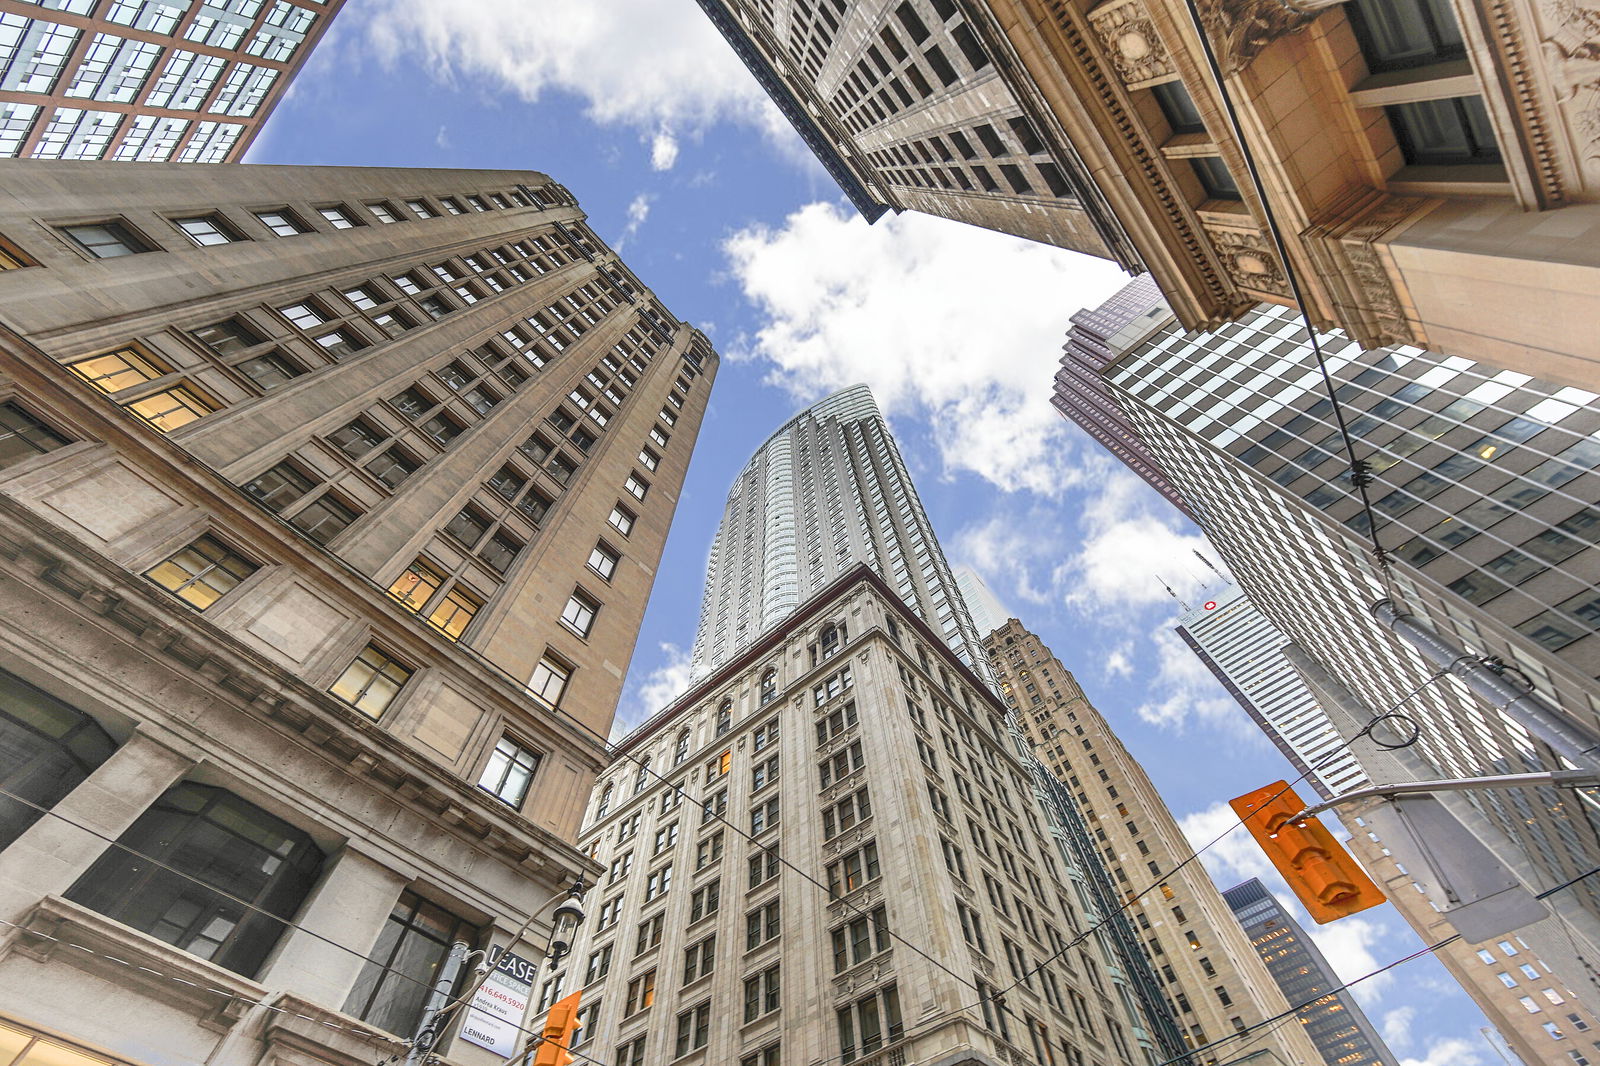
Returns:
(371,682)
(452,613)
(416,585)
(202,572)
(117,370)
(171,409)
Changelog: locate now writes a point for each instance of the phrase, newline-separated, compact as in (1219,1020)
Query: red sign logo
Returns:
(1211,605)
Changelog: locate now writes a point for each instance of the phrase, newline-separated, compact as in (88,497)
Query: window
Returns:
(603,560)
(657,882)
(340,344)
(549,681)
(848,812)
(769,687)
(509,772)
(714,807)
(706,901)
(868,1024)
(666,837)
(303,315)
(649,934)
(50,748)
(1215,178)
(621,519)
(763,774)
(860,938)
(762,925)
(699,959)
(107,240)
(578,615)
(631,1053)
(383,212)
(206,230)
(371,682)
(338,217)
(210,849)
(761,994)
(764,816)
(397,976)
(694,1027)
(282,222)
(764,866)
(641,993)
(393,466)
(598,966)
(23,436)
(1396,34)
(202,573)
(708,851)
(767,1056)
(1444,132)
(764,737)
(860,866)
(637,487)
(1178,107)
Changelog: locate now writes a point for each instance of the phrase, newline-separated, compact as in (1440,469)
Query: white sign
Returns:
(495,1016)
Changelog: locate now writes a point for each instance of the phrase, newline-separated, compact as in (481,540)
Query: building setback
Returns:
(186,81)
(1244,652)
(828,850)
(330,500)
(1484,494)
(1210,978)
(828,490)
(1333,1020)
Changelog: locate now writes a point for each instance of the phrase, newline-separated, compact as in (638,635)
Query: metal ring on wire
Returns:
(1410,739)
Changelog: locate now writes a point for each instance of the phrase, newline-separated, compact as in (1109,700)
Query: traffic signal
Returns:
(559,1026)
(1322,873)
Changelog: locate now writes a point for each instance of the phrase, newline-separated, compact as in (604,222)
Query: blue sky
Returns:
(642,111)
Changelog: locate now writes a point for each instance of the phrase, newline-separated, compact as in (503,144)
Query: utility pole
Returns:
(427,1032)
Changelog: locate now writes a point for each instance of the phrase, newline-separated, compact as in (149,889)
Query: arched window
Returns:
(831,639)
(769,687)
(894,629)
(724,717)
(46,750)
(219,848)
(643,777)
(681,751)
(605,801)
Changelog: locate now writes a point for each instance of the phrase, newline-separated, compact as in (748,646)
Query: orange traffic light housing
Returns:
(556,1038)
(1326,877)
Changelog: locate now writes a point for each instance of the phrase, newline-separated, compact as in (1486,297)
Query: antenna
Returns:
(1209,565)
(1174,595)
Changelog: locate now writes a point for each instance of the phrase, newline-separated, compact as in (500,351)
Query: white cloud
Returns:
(663,149)
(657,66)
(666,682)
(1234,858)
(1119,663)
(1133,541)
(1348,945)
(442,138)
(958,326)
(1453,1051)
(638,211)
(1397,1027)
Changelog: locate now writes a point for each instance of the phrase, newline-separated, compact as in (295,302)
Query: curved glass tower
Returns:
(828,490)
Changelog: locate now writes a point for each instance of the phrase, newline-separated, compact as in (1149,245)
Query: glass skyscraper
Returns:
(828,490)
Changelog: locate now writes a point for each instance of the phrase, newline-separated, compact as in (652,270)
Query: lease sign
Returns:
(494,1018)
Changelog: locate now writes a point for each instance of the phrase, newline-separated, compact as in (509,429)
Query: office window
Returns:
(398,974)
(1397,34)
(1178,107)
(23,436)
(764,816)
(761,925)
(641,993)
(869,1023)
(621,519)
(694,1028)
(509,772)
(649,933)
(383,212)
(107,240)
(1214,177)
(283,222)
(767,1056)
(706,901)
(393,466)
(371,681)
(761,994)
(699,959)
(210,849)
(338,217)
(764,866)
(603,561)
(860,938)
(1444,132)
(637,487)
(206,230)
(631,1053)
(202,573)
(579,613)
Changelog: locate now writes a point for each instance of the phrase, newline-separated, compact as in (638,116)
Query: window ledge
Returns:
(1432,82)
(1187,145)
(128,957)
(297,1026)
(865,972)
(1470,179)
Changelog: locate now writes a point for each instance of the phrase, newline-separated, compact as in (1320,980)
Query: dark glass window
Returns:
(404,964)
(324,518)
(46,750)
(1214,177)
(226,338)
(210,848)
(393,467)
(356,439)
(1395,34)
(1178,106)
(279,487)
(1444,132)
(269,371)
(23,436)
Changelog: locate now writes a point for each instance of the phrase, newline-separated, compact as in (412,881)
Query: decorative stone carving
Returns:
(1130,41)
(1345,250)
(1241,29)
(1250,261)
(1572,63)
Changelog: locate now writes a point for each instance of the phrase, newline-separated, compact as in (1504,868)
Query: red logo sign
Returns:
(1211,605)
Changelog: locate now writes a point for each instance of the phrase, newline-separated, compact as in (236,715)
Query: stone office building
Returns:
(828,850)
(186,81)
(330,500)
(1213,982)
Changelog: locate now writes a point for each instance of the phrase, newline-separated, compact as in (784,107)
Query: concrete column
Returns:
(349,908)
(54,852)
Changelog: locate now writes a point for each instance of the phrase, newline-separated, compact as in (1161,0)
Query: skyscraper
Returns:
(151,80)
(988,614)
(1334,1021)
(828,490)
(1243,651)
(920,107)
(1484,495)
(1081,394)
(1209,977)
(329,501)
